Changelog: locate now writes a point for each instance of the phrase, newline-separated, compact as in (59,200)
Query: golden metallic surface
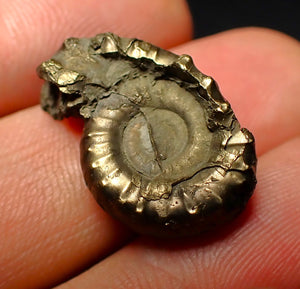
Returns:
(162,150)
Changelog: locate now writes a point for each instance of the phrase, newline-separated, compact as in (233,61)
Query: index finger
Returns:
(32,31)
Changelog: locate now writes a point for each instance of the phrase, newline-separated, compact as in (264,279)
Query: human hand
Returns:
(51,229)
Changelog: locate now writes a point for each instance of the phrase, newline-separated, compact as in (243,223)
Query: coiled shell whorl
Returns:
(162,150)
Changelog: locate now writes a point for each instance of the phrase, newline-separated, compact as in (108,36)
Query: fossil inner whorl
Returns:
(162,150)
(153,140)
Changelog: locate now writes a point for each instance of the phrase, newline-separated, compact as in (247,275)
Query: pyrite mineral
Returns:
(162,150)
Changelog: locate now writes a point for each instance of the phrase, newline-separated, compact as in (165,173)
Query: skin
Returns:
(52,232)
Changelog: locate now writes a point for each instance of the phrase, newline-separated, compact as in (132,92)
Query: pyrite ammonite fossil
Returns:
(162,150)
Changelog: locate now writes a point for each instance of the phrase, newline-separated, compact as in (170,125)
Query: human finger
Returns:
(50,225)
(32,31)
(261,249)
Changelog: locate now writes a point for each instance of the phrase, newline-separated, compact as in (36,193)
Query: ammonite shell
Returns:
(162,150)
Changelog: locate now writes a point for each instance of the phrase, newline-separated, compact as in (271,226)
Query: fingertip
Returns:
(33,31)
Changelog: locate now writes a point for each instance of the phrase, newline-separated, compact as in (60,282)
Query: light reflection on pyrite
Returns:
(162,150)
